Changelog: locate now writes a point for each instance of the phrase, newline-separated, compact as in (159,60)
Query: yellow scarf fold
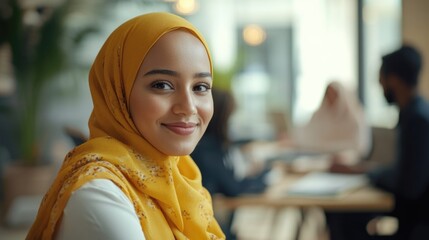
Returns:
(166,191)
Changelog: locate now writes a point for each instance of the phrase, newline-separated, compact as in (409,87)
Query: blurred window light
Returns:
(186,7)
(325,44)
(382,34)
(254,34)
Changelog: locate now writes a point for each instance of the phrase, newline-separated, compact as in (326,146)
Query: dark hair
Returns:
(405,63)
(224,105)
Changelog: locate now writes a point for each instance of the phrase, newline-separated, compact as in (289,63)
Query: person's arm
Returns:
(254,184)
(99,210)
(413,177)
(383,177)
(230,186)
(217,178)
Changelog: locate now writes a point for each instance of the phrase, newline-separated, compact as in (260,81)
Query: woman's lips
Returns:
(181,128)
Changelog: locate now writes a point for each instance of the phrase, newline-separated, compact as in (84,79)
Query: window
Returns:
(382,34)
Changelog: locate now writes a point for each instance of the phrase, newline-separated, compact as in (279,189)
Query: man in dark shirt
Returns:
(407,178)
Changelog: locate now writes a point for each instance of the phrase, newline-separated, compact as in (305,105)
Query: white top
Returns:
(99,210)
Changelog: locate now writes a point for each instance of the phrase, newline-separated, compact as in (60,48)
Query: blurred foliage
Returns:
(40,53)
(223,78)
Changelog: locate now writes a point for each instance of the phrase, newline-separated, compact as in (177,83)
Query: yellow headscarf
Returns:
(166,191)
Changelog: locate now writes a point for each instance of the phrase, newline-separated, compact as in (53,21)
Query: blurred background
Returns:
(276,56)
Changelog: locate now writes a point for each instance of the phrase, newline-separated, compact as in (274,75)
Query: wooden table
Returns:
(365,198)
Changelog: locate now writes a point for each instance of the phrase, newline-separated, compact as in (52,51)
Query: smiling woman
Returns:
(133,179)
(176,93)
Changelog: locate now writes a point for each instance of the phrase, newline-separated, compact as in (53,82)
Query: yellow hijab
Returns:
(166,191)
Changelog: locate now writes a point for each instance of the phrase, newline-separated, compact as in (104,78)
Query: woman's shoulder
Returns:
(98,150)
(99,209)
(106,141)
(107,145)
(104,186)
(99,190)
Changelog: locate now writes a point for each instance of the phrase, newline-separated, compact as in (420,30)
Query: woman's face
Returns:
(171,102)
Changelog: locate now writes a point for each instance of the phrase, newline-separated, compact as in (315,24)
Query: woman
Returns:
(133,179)
(213,153)
(213,157)
(339,125)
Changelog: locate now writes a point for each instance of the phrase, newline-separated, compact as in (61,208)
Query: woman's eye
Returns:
(202,88)
(162,86)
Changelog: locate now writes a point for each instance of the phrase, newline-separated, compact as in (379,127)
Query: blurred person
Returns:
(214,156)
(133,179)
(337,129)
(213,153)
(339,125)
(407,176)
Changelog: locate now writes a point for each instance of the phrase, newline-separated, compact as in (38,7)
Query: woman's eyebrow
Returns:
(176,74)
(162,71)
(203,75)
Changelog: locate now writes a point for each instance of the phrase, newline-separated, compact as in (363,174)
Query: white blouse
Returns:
(99,210)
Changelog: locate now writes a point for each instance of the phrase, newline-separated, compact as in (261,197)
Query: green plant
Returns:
(40,53)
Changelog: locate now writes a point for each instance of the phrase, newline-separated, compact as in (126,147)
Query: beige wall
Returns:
(415,30)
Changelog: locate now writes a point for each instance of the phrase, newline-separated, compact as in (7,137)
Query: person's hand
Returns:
(337,166)
(286,142)
(255,169)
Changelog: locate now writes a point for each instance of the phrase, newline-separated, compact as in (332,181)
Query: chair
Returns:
(383,145)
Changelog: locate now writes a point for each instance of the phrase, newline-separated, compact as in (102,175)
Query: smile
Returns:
(181,128)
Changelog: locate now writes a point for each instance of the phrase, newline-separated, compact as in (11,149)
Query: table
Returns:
(365,198)
(267,224)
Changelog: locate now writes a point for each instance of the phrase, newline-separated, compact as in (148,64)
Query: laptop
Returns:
(324,184)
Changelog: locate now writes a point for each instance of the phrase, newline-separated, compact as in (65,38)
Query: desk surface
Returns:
(364,198)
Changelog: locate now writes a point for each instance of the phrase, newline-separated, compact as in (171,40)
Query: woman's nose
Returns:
(185,104)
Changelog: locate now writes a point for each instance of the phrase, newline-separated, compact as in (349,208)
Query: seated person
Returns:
(407,177)
(338,128)
(212,155)
(338,125)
